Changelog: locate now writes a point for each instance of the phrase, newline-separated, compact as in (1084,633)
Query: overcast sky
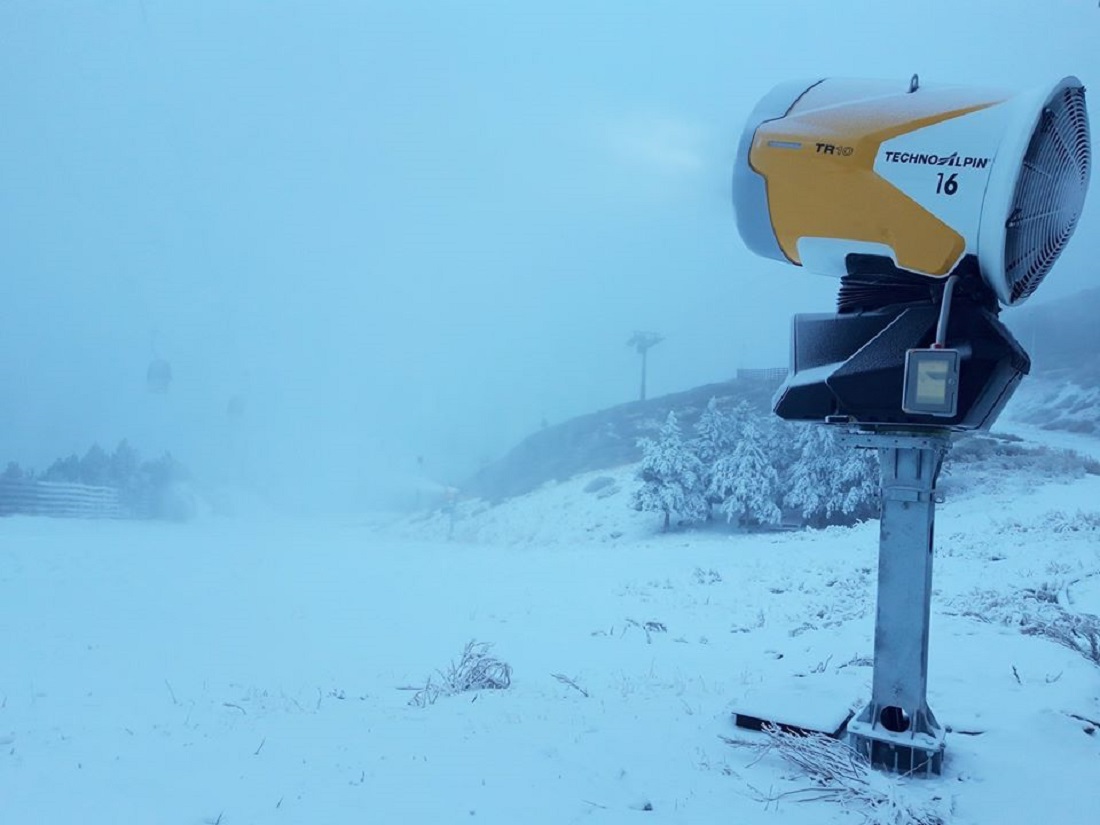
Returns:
(415,228)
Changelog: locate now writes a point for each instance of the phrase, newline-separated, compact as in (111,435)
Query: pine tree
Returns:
(829,482)
(809,475)
(670,473)
(124,464)
(95,467)
(13,472)
(781,438)
(859,484)
(64,469)
(715,435)
(745,480)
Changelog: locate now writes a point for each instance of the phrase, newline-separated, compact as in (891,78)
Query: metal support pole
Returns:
(897,730)
(642,341)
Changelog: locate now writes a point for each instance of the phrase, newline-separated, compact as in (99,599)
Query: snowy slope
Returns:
(247,672)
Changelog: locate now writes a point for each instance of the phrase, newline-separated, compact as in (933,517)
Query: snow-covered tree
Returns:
(744,480)
(124,463)
(782,444)
(859,480)
(829,482)
(64,469)
(95,467)
(715,433)
(14,472)
(810,480)
(671,476)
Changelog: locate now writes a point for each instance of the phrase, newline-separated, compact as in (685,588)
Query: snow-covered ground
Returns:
(245,672)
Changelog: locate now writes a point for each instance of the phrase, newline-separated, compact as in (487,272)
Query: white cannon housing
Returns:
(915,180)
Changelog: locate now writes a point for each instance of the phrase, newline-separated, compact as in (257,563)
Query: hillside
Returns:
(1063,337)
(1060,394)
(604,439)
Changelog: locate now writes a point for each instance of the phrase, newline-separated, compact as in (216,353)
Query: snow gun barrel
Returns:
(902,185)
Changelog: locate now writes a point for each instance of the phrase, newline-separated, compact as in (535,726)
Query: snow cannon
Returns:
(935,206)
(915,183)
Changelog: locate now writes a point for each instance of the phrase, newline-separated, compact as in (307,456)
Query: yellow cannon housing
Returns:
(901,180)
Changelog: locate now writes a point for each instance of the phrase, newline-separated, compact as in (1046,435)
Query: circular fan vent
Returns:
(1050,192)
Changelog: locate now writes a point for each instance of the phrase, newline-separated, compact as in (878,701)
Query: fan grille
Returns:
(1050,192)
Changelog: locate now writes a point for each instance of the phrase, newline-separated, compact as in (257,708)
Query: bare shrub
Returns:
(999,452)
(649,627)
(1037,611)
(985,462)
(839,774)
(1080,632)
(476,669)
(1052,521)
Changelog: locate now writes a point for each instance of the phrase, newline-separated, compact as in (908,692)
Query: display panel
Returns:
(931,382)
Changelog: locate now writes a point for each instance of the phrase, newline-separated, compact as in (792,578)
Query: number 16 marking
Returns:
(947,186)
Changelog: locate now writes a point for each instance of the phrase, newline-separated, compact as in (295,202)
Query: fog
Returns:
(414,229)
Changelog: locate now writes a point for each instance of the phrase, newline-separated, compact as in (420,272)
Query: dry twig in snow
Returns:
(476,669)
(840,774)
(565,680)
